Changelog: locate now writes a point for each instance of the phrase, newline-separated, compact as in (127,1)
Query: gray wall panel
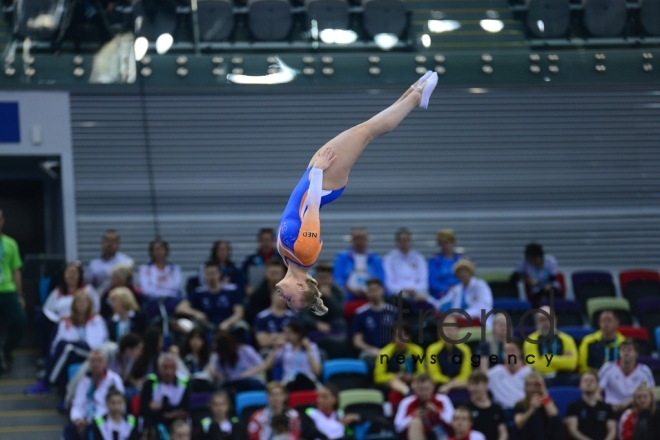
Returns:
(575,170)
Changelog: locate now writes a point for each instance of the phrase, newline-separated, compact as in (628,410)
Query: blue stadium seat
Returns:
(44,289)
(516,308)
(657,337)
(343,366)
(249,399)
(563,396)
(577,332)
(73,369)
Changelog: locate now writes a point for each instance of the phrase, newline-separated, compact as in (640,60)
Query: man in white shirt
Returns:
(471,295)
(619,380)
(406,270)
(89,399)
(98,272)
(506,381)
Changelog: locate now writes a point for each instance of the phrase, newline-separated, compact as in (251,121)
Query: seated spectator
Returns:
(121,276)
(220,256)
(536,415)
(325,421)
(196,351)
(115,425)
(486,417)
(281,428)
(441,266)
(220,425)
(620,379)
(180,430)
(160,281)
(495,344)
(642,421)
(556,358)
(89,401)
(58,304)
(405,269)
(165,395)
(220,305)
(441,357)
(472,294)
(372,323)
(127,317)
(76,337)
(98,272)
(255,263)
(145,364)
(333,298)
(269,325)
(462,424)
(299,358)
(237,365)
(354,267)
(260,298)
(259,427)
(394,372)
(540,274)
(603,345)
(589,417)
(425,414)
(506,381)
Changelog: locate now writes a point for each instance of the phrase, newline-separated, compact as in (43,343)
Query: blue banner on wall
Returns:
(10,128)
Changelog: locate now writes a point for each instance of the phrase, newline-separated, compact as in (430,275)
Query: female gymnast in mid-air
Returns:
(299,235)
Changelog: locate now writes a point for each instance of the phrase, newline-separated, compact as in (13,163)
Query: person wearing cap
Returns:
(471,294)
(441,265)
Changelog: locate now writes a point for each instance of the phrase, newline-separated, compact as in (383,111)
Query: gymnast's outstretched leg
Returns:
(350,144)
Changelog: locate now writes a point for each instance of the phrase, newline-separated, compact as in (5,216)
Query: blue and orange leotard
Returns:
(299,235)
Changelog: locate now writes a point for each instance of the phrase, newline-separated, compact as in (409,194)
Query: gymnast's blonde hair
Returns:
(312,298)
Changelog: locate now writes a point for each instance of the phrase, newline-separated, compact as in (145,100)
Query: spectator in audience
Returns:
(425,414)
(557,357)
(220,425)
(146,362)
(472,294)
(536,415)
(89,400)
(441,266)
(196,351)
(325,421)
(372,323)
(355,266)
(234,364)
(620,379)
(76,337)
(495,345)
(589,417)
(121,276)
(58,303)
(269,325)
(281,428)
(506,381)
(12,303)
(603,345)
(160,280)
(299,358)
(165,395)
(219,304)
(99,270)
(220,256)
(641,422)
(266,253)
(394,373)
(540,274)
(127,317)
(485,416)
(115,425)
(259,427)
(462,424)
(333,299)
(180,430)
(405,269)
(441,357)
(260,298)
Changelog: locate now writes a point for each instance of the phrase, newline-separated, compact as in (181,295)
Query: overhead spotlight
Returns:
(647,67)
(271,60)
(30,72)
(420,59)
(237,60)
(163,43)
(426,40)
(534,57)
(553,68)
(327,60)
(219,71)
(487,69)
(492,26)
(237,71)
(146,60)
(439,58)
(338,36)
(440,26)
(487,58)
(141,47)
(386,41)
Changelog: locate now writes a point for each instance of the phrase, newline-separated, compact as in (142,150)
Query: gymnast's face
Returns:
(290,290)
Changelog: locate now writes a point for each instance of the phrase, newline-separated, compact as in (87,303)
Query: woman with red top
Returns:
(462,424)
(642,421)
(536,416)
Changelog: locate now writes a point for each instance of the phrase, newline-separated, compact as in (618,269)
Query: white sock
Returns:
(423,78)
(431,82)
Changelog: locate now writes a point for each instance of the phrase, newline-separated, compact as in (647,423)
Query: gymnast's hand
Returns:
(324,159)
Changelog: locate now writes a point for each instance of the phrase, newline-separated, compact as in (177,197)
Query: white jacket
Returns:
(94,333)
(87,405)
